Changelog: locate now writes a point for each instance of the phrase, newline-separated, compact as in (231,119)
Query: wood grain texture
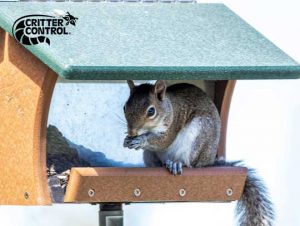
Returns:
(155,184)
(2,38)
(223,94)
(26,86)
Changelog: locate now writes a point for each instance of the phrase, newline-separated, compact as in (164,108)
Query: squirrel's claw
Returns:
(179,168)
(174,167)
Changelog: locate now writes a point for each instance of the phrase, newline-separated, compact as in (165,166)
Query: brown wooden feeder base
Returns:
(125,185)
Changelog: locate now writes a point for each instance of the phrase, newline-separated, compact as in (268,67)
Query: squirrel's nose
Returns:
(132,132)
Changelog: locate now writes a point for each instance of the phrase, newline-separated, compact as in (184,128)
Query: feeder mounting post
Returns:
(111,214)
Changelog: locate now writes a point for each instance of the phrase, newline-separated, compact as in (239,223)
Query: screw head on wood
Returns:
(137,192)
(229,192)
(26,195)
(91,192)
(182,192)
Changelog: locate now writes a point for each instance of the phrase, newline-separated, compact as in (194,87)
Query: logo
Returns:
(35,29)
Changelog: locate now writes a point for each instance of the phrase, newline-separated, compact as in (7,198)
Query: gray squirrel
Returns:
(179,126)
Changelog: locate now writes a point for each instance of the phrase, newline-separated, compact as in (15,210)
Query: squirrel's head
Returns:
(146,108)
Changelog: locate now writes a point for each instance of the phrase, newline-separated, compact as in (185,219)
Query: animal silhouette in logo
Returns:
(70,19)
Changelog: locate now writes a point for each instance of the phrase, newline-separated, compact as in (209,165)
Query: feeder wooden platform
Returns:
(88,185)
(162,41)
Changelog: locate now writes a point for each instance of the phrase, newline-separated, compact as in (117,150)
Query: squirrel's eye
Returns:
(151,112)
(124,108)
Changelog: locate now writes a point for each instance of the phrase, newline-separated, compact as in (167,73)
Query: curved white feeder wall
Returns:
(91,115)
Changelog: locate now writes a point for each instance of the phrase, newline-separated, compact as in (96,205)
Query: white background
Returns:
(264,130)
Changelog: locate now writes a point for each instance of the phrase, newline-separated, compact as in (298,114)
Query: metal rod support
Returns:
(111,214)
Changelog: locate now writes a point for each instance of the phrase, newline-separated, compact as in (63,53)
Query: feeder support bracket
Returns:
(111,214)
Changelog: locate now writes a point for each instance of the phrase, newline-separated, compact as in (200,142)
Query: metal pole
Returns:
(111,214)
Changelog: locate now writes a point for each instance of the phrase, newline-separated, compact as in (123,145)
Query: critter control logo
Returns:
(36,29)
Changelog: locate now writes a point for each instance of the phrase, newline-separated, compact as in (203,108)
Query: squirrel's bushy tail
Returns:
(254,207)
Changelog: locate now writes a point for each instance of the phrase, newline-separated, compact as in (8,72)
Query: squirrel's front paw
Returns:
(174,167)
(136,143)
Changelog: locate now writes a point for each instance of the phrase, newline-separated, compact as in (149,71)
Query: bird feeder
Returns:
(114,41)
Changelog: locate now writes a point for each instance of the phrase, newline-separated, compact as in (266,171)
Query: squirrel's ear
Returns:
(160,89)
(131,85)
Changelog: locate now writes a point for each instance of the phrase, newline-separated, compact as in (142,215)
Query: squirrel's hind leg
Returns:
(206,155)
(206,143)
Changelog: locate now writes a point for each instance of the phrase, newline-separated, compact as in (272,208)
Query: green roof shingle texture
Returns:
(154,41)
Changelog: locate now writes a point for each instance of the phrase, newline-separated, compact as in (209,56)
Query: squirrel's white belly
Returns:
(183,145)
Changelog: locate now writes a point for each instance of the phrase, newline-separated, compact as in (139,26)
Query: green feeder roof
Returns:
(152,41)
